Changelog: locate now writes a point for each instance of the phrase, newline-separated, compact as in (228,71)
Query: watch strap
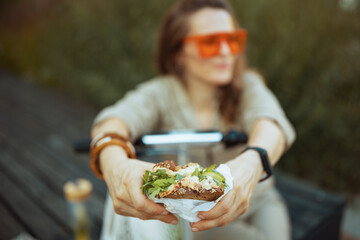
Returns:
(264,160)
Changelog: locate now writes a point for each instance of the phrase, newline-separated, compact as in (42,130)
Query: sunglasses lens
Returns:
(236,42)
(209,46)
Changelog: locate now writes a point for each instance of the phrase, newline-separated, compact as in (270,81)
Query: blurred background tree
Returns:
(307,50)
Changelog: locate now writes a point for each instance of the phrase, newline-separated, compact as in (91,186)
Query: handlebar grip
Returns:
(82,146)
(233,138)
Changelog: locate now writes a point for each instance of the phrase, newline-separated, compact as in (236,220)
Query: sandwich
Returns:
(191,181)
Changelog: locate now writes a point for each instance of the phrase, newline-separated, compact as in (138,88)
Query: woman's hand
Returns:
(123,177)
(246,171)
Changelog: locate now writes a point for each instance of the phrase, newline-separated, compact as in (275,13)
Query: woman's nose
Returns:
(224,48)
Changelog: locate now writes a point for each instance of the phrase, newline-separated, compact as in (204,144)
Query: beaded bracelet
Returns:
(103,140)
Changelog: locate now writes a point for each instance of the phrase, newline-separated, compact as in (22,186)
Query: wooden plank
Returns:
(44,111)
(55,113)
(64,157)
(30,112)
(40,134)
(53,204)
(29,213)
(10,226)
(42,127)
(35,189)
(53,177)
(37,128)
(27,92)
(45,169)
(39,125)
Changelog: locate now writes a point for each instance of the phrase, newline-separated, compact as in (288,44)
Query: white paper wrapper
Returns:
(188,209)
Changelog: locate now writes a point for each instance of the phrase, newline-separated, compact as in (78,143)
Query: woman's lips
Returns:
(222,66)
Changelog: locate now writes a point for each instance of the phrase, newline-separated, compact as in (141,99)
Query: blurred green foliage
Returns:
(308,51)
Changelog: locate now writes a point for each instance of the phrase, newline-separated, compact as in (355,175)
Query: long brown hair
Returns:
(174,29)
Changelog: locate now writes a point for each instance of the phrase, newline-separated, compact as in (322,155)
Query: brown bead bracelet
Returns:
(103,140)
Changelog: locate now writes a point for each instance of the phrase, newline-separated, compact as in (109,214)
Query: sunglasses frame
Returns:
(219,37)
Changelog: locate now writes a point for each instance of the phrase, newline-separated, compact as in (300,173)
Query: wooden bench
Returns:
(37,128)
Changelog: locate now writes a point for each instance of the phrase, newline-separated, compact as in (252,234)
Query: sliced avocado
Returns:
(215,175)
(179,177)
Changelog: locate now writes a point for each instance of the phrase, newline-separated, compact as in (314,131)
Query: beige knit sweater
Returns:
(162,104)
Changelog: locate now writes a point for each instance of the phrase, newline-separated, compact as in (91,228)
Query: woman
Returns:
(203,84)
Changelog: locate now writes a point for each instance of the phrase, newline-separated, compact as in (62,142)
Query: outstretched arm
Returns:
(123,177)
(246,170)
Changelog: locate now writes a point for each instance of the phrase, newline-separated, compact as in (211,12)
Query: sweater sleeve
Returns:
(259,102)
(139,108)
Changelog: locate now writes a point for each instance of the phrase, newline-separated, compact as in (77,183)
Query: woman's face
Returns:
(217,70)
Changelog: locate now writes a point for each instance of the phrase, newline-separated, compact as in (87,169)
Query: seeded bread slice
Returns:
(187,193)
(178,191)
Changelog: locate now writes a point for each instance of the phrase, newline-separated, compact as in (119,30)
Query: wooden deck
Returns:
(37,132)
(37,129)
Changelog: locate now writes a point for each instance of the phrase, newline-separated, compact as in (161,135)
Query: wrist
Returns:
(265,162)
(105,140)
(112,155)
(255,160)
(252,159)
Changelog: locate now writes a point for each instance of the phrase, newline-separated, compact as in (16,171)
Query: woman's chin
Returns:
(222,79)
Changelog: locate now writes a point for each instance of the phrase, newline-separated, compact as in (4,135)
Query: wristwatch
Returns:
(264,160)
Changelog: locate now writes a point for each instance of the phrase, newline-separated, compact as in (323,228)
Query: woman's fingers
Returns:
(139,201)
(208,224)
(143,204)
(127,210)
(147,207)
(221,215)
(122,208)
(234,212)
(137,205)
(234,204)
(129,199)
(169,218)
(221,208)
(217,222)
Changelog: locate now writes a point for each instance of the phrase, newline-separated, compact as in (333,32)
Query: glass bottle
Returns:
(76,193)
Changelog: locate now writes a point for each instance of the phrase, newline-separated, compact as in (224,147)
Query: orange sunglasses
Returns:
(210,45)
